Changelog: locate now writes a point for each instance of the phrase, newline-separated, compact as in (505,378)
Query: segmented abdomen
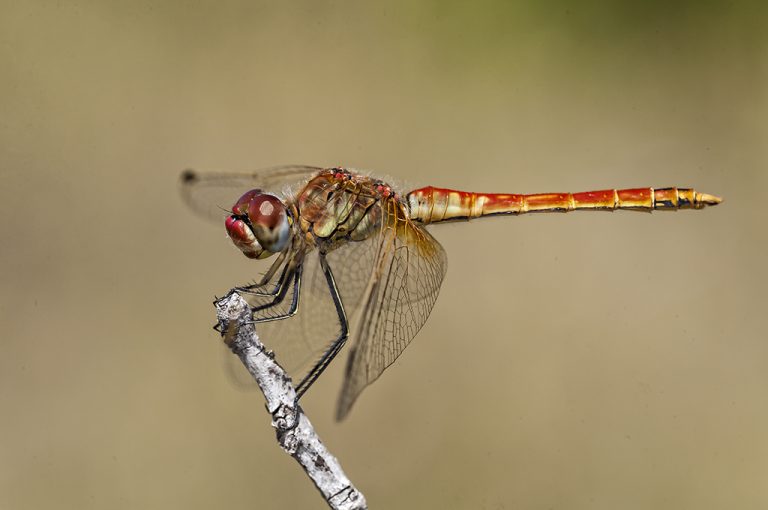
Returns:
(430,204)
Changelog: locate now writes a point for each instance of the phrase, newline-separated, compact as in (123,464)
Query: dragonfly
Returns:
(353,260)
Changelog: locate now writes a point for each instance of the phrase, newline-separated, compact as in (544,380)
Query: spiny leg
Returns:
(281,287)
(267,277)
(278,292)
(337,344)
(293,270)
(296,275)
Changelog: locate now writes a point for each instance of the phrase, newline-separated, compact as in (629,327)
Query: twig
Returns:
(294,431)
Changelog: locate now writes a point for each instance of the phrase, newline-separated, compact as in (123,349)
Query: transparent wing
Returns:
(299,341)
(408,269)
(211,194)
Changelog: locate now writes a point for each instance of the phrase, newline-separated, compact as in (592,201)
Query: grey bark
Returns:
(295,433)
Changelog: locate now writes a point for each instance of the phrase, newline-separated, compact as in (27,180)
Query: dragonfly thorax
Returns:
(337,207)
(260,225)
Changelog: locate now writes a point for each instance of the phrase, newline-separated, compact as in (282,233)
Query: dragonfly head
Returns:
(259,224)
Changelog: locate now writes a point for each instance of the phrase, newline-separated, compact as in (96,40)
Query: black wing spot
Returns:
(188,176)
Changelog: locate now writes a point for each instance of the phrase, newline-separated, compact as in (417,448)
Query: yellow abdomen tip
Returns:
(705,199)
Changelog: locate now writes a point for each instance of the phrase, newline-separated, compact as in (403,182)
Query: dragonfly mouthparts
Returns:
(241,234)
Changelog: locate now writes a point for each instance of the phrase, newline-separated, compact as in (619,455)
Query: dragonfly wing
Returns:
(211,194)
(299,341)
(408,270)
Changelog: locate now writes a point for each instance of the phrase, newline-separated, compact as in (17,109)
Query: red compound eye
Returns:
(266,211)
(241,206)
(269,221)
(259,224)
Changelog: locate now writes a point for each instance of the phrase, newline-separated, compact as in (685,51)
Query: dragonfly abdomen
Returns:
(431,205)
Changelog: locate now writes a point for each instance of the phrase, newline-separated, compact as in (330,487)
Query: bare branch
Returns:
(294,431)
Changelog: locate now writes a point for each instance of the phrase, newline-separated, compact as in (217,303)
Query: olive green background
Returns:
(582,361)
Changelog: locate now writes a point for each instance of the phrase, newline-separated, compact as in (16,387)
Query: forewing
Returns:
(211,194)
(408,270)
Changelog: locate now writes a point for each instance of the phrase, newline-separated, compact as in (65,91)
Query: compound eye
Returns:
(269,219)
(241,206)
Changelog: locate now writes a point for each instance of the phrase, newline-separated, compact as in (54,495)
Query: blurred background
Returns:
(585,361)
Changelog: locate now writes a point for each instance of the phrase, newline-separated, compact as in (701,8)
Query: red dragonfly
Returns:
(358,254)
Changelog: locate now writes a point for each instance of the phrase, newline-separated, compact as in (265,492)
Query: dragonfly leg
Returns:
(285,277)
(337,344)
(292,270)
(250,289)
(296,275)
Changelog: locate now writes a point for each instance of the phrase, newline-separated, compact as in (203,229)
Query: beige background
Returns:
(588,361)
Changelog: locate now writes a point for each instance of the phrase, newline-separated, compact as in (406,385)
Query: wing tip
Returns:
(346,401)
(188,175)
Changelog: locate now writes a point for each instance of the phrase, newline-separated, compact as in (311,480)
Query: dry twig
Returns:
(295,433)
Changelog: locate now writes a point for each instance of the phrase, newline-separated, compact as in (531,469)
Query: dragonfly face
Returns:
(259,224)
